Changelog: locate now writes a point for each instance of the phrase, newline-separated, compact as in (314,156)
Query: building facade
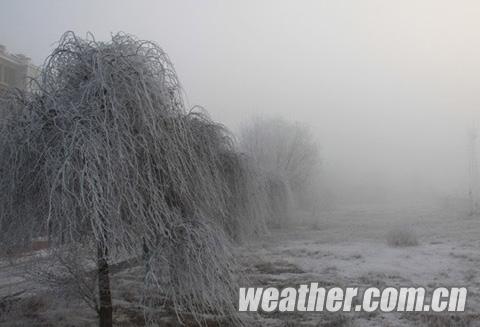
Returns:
(16,70)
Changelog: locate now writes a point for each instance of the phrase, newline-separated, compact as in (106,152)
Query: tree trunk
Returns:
(105,311)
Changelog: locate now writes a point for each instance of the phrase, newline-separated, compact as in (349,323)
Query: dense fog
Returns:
(159,160)
(389,89)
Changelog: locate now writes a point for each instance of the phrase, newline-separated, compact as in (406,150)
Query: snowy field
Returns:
(340,248)
(349,248)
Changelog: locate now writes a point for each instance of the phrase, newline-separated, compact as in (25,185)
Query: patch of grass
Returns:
(20,311)
(402,237)
(317,225)
(278,267)
(470,275)
(373,279)
(129,316)
(336,320)
(444,320)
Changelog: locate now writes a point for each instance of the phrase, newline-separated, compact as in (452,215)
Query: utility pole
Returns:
(474,189)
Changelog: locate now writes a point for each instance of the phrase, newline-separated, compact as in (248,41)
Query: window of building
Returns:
(2,79)
(9,76)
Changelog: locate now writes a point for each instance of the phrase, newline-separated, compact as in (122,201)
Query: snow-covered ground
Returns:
(345,247)
(349,248)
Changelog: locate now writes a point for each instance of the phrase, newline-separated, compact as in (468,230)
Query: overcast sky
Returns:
(388,87)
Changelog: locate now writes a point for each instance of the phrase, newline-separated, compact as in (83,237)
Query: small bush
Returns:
(401,237)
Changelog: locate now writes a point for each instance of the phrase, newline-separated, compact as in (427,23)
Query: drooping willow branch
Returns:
(105,153)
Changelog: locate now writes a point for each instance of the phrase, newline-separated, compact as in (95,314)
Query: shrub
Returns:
(401,237)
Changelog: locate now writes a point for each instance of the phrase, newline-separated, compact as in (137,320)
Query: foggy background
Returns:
(390,89)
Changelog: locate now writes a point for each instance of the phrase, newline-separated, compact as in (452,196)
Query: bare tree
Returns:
(287,151)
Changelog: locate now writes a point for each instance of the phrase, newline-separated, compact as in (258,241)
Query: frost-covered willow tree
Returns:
(105,154)
(246,207)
